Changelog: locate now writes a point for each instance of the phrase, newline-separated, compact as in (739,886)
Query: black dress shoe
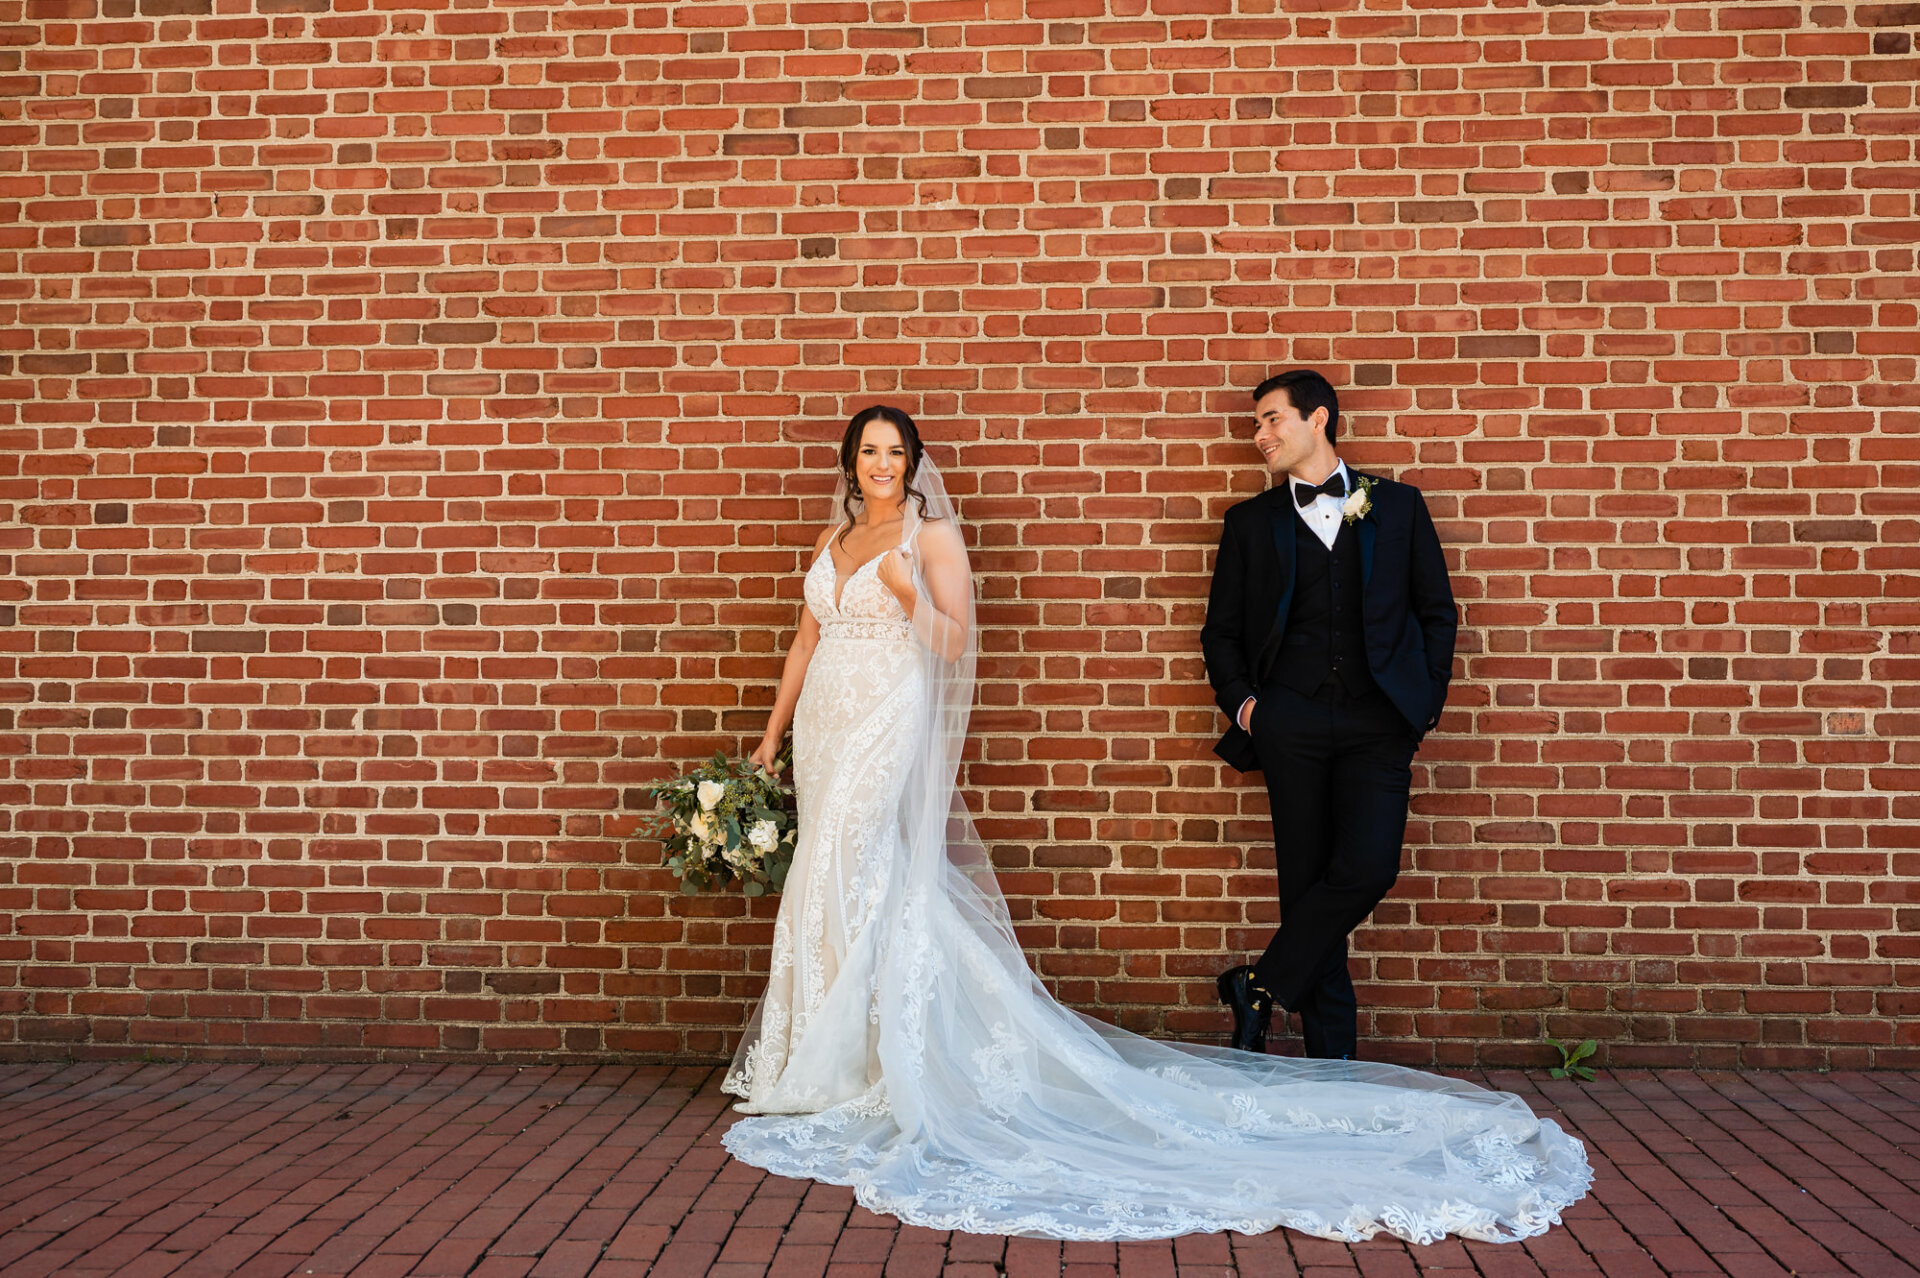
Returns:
(1252,1008)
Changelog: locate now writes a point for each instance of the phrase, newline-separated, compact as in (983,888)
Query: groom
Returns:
(1329,642)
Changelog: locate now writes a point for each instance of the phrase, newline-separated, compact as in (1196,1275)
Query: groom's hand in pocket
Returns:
(1246,714)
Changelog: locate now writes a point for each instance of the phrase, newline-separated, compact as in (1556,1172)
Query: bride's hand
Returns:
(896,572)
(764,756)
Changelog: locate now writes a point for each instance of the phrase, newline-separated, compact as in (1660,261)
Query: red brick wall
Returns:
(414,423)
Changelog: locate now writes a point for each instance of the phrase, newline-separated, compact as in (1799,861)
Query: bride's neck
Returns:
(882,513)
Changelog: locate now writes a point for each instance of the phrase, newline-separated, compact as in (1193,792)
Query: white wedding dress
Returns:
(903,1046)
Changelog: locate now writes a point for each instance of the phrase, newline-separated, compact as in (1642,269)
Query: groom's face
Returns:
(1283,437)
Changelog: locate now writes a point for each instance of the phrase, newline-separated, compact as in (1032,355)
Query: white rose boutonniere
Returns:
(1359,502)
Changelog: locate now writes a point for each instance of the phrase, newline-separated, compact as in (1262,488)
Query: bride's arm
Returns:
(943,562)
(792,675)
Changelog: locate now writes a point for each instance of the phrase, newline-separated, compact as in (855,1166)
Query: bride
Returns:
(903,1046)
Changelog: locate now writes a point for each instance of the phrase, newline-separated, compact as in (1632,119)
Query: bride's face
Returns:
(881,464)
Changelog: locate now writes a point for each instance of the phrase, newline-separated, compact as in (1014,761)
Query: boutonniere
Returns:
(1359,502)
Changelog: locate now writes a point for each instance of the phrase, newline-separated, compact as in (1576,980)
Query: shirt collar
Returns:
(1339,468)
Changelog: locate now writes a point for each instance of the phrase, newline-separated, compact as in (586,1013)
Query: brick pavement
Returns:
(378,1171)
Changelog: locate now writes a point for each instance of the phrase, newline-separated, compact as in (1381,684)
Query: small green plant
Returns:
(1570,1057)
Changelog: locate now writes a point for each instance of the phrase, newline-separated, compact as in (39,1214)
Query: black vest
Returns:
(1325,638)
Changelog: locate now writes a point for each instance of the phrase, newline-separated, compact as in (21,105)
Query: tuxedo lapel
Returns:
(1366,550)
(1280,521)
(1366,528)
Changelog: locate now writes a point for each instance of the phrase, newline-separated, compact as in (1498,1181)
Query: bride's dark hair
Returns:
(850,449)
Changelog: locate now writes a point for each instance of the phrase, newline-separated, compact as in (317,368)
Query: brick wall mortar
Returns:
(416,422)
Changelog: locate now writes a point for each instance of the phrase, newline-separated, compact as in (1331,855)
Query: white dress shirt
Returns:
(1322,514)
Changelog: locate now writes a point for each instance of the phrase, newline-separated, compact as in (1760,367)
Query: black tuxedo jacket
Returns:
(1406,605)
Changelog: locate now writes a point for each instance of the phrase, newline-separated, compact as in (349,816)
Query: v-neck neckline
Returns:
(840,584)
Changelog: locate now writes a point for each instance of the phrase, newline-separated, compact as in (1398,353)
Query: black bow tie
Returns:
(1336,486)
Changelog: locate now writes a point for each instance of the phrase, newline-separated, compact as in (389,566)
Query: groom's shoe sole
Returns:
(1249,1021)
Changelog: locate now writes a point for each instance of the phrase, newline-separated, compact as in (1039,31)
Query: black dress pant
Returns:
(1338,771)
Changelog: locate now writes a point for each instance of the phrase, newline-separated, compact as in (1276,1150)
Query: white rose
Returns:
(736,857)
(711,792)
(702,827)
(1356,502)
(764,835)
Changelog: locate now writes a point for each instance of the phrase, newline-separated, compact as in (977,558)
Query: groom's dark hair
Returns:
(1306,390)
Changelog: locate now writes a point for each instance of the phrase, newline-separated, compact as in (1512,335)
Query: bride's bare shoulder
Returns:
(940,537)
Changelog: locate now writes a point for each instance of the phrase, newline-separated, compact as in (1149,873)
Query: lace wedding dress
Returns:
(903,1046)
(816,1042)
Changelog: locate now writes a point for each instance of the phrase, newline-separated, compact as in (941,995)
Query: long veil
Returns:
(998,1110)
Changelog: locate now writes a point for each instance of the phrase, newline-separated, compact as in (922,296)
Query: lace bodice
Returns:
(865,608)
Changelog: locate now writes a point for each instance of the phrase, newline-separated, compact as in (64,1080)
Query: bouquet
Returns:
(725,821)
